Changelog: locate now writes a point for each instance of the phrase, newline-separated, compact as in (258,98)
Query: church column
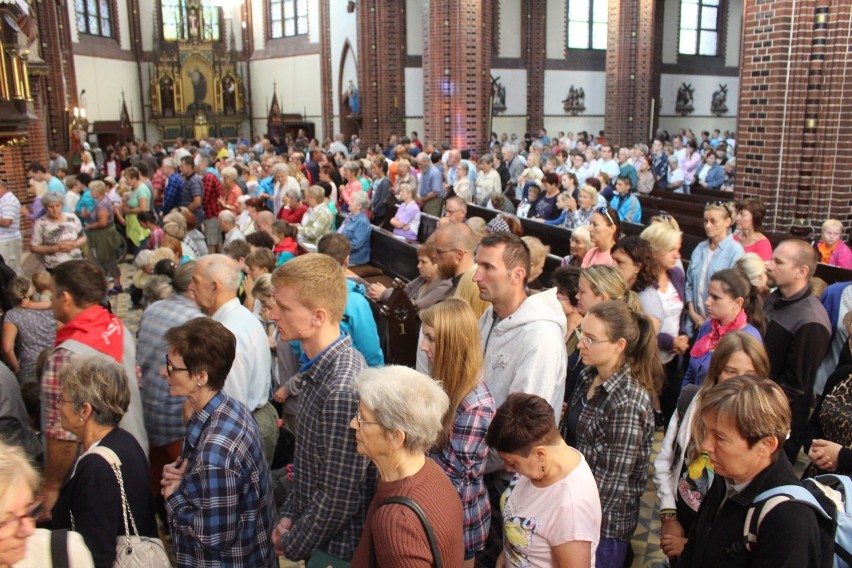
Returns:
(533,54)
(794,122)
(381,68)
(457,72)
(61,87)
(632,77)
(325,71)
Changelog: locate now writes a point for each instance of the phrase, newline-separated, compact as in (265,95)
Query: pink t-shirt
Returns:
(537,519)
(594,257)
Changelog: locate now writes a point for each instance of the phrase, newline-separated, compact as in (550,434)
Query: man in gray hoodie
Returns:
(523,336)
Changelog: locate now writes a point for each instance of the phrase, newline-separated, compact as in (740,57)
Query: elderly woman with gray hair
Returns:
(57,236)
(399,417)
(107,245)
(94,397)
(356,227)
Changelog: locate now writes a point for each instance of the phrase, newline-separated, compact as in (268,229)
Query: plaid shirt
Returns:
(615,433)
(223,512)
(158,182)
(463,460)
(50,390)
(333,485)
(210,198)
(172,193)
(163,412)
(192,188)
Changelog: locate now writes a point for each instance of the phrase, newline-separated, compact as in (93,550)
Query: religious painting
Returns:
(229,95)
(167,96)
(197,78)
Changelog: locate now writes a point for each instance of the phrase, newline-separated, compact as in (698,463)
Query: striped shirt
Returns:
(223,512)
(333,485)
(10,208)
(163,412)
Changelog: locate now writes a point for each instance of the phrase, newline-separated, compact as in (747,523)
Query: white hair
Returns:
(222,269)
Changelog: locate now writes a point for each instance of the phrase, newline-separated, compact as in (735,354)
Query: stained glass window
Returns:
(178,22)
(587,24)
(288,18)
(699,27)
(93,17)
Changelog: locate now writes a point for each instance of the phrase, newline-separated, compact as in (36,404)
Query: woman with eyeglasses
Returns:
(21,544)
(610,418)
(451,343)
(605,230)
(682,471)
(93,399)
(399,418)
(218,494)
(718,252)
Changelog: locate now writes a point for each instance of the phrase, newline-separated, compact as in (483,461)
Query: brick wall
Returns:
(533,54)
(61,87)
(381,68)
(457,72)
(325,71)
(632,70)
(794,119)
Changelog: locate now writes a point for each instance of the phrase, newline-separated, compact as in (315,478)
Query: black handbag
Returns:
(427,527)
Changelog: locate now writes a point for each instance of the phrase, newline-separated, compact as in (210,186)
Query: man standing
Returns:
(192,191)
(38,172)
(174,185)
(327,504)
(798,333)
(625,203)
(57,161)
(430,197)
(88,329)
(11,241)
(211,192)
(607,163)
(214,284)
(659,164)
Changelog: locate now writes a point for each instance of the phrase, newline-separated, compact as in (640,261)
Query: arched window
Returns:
(181,24)
(94,17)
(288,18)
(587,24)
(699,27)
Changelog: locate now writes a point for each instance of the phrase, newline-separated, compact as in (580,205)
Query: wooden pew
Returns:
(557,238)
(399,328)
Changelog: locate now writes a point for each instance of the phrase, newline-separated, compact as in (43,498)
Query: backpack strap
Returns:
(424,520)
(59,548)
(770,499)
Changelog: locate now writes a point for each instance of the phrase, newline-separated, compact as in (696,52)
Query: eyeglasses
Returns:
(586,340)
(361,421)
(717,203)
(33,511)
(171,368)
(603,211)
(60,400)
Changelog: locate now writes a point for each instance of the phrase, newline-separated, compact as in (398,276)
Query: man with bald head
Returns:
(214,286)
(797,334)
(263,222)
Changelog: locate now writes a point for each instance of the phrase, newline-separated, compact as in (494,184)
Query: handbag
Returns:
(131,551)
(427,527)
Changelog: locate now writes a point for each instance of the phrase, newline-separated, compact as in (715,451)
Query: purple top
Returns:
(409,214)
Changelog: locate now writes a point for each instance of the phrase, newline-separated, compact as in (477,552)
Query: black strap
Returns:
(424,520)
(59,548)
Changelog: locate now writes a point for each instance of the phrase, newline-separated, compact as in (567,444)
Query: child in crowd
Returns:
(148,221)
(831,249)
(41,283)
(284,235)
(261,261)
(526,208)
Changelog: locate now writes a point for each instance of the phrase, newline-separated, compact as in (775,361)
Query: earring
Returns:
(542,468)
(198,385)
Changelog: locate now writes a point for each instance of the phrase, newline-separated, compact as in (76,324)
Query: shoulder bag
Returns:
(427,527)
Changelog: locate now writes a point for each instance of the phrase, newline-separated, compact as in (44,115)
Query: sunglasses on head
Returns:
(603,211)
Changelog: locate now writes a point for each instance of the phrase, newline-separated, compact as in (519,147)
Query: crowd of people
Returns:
(523,435)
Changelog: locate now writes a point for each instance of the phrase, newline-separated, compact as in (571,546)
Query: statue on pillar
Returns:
(498,96)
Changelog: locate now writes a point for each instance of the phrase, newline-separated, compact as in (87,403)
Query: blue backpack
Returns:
(837,488)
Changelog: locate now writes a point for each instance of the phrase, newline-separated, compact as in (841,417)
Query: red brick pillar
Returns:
(533,54)
(381,62)
(325,71)
(457,72)
(632,77)
(61,89)
(795,115)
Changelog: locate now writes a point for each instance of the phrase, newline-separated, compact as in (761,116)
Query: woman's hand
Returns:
(824,454)
(172,476)
(672,538)
(248,284)
(281,395)
(375,291)
(696,318)
(681,344)
(572,204)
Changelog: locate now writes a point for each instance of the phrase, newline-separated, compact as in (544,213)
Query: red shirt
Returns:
(293,216)
(210,198)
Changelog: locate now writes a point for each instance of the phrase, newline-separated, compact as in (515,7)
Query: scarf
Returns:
(717,331)
(98,329)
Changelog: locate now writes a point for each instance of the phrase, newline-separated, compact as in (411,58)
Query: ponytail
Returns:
(753,308)
(738,285)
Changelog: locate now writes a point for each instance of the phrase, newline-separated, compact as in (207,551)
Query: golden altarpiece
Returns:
(196,88)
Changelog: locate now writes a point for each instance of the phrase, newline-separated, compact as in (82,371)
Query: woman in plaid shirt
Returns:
(451,343)
(610,419)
